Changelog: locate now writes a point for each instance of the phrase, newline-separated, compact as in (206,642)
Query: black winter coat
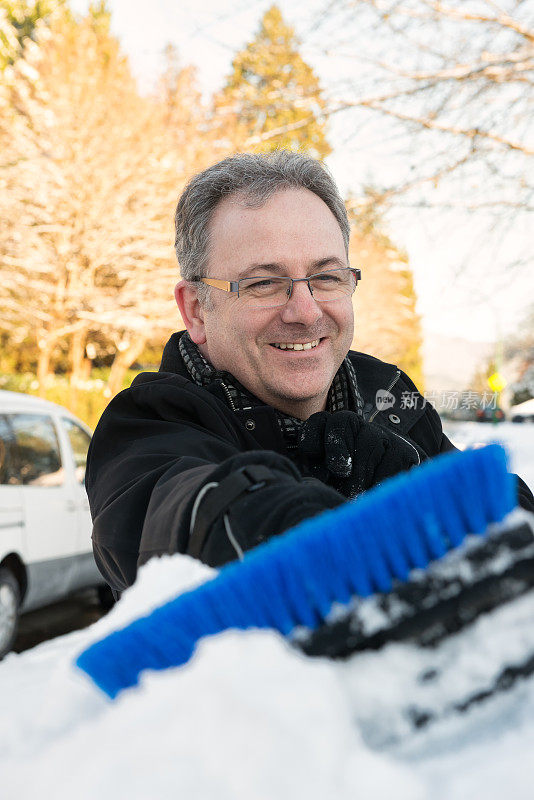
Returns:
(161,441)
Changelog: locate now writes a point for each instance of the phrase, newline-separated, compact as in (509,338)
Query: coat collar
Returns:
(373,376)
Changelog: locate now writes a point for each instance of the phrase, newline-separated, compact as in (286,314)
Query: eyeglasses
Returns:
(272,291)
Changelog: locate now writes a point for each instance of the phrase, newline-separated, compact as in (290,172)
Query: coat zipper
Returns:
(390,387)
(228,396)
(373,415)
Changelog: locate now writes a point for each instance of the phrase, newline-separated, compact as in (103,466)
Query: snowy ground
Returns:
(249,717)
(518,438)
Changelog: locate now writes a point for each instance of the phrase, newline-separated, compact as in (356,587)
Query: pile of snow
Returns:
(248,717)
(251,718)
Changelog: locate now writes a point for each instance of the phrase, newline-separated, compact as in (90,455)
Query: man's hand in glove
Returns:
(349,454)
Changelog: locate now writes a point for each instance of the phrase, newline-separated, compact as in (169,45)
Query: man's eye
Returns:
(326,278)
(259,284)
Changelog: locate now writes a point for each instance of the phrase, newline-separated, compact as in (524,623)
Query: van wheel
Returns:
(9,610)
(105,597)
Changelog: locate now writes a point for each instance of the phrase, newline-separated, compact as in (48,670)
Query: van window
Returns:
(5,447)
(35,454)
(79,442)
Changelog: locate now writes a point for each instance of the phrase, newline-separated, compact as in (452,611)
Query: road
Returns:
(72,614)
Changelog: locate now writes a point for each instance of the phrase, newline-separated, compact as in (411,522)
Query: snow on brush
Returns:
(250,717)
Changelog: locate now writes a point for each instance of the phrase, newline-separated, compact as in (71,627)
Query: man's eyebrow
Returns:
(269,267)
(329,261)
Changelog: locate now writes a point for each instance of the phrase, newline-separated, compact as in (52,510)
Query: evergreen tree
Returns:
(272,99)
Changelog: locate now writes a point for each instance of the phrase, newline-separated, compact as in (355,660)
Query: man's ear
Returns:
(191,311)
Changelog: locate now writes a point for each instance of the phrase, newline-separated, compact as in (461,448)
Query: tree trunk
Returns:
(46,347)
(77,356)
(77,363)
(129,350)
(87,368)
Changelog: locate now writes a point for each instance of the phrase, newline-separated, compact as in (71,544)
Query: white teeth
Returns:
(297,345)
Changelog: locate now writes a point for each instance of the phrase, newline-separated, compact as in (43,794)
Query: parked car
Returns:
(460,414)
(490,415)
(523,412)
(45,525)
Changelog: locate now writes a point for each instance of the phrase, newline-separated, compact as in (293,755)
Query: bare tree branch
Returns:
(452,83)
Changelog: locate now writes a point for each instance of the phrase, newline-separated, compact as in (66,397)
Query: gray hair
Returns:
(255,176)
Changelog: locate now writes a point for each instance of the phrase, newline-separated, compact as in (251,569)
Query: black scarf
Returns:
(343,394)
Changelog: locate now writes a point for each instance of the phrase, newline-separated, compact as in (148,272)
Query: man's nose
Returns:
(301,307)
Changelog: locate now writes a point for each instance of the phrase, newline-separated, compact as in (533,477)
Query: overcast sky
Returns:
(451,256)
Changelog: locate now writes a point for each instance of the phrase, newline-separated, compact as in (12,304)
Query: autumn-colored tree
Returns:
(8,40)
(185,116)
(18,22)
(386,323)
(89,175)
(272,98)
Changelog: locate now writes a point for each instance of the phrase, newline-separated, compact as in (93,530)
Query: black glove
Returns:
(234,516)
(344,451)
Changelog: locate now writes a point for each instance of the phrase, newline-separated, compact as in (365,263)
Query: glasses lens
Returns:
(269,292)
(333,284)
(264,292)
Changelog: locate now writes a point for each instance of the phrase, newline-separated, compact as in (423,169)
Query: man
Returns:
(259,416)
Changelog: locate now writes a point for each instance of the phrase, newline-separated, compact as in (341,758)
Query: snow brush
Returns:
(329,569)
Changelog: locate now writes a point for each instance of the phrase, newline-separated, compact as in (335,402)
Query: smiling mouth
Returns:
(296,345)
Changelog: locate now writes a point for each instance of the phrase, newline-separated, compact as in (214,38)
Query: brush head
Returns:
(484,573)
(359,549)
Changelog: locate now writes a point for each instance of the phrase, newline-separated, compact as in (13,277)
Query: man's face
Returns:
(293,234)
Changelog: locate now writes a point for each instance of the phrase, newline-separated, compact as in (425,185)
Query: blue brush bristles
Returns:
(359,548)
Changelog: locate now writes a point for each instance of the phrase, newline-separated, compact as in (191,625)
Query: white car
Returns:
(45,524)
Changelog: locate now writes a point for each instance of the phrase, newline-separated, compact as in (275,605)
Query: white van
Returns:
(45,525)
